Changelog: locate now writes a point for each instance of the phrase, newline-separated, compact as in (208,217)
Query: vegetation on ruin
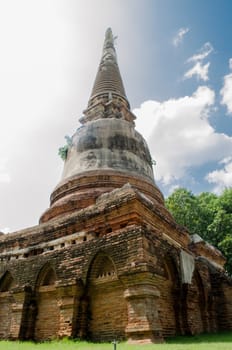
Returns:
(221,341)
(206,214)
(63,151)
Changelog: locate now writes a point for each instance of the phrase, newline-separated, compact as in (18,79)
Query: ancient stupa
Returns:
(107,260)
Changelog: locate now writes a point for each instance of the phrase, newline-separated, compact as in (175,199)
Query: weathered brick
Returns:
(106,260)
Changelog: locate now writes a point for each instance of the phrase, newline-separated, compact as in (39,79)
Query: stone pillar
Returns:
(225,312)
(81,329)
(143,319)
(69,299)
(16,314)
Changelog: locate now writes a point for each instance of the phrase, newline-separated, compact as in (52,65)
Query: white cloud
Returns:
(4,177)
(180,135)
(226,91)
(173,188)
(230,63)
(4,174)
(204,51)
(5,230)
(179,36)
(221,178)
(200,70)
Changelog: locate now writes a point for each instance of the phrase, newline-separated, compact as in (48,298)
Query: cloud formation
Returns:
(221,178)
(200,70)
(177,40)
(226,91)
(4,230)
(204,52)
(180,136)
(230,63)
(4,175)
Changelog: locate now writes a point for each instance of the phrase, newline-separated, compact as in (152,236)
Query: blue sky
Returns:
(193,77)
(175,59)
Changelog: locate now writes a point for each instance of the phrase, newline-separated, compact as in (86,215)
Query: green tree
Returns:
(184,207)
(208,215)
(220,227)
(225,200)
(208,207)
(226,247)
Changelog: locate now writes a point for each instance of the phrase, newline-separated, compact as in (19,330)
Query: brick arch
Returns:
(46,276)
(6,282)
(169,307)
(48,312)
(6,301)
(107,309)
(101,266)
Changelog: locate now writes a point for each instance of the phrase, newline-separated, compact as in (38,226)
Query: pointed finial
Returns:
(109,53)
(109,39)
(108,79)
(108,98)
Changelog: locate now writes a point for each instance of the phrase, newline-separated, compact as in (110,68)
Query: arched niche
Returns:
(107,309)
(101,269)
(6,300)
(6,282)
(48,312)
(169,303)
(46,277)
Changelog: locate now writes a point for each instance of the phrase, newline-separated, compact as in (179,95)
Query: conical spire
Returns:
(108,98)
(106,152)
(108,77)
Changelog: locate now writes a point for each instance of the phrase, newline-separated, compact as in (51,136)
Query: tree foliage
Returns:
(208,215)
(183,206)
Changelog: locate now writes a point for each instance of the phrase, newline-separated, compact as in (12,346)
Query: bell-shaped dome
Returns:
(108,144)
(106,152)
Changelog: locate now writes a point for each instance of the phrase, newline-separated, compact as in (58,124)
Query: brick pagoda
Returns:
(107,260)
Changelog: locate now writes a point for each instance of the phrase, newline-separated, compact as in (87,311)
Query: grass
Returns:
(222,341)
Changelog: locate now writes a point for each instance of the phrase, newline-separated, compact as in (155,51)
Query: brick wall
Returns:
(109,271)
